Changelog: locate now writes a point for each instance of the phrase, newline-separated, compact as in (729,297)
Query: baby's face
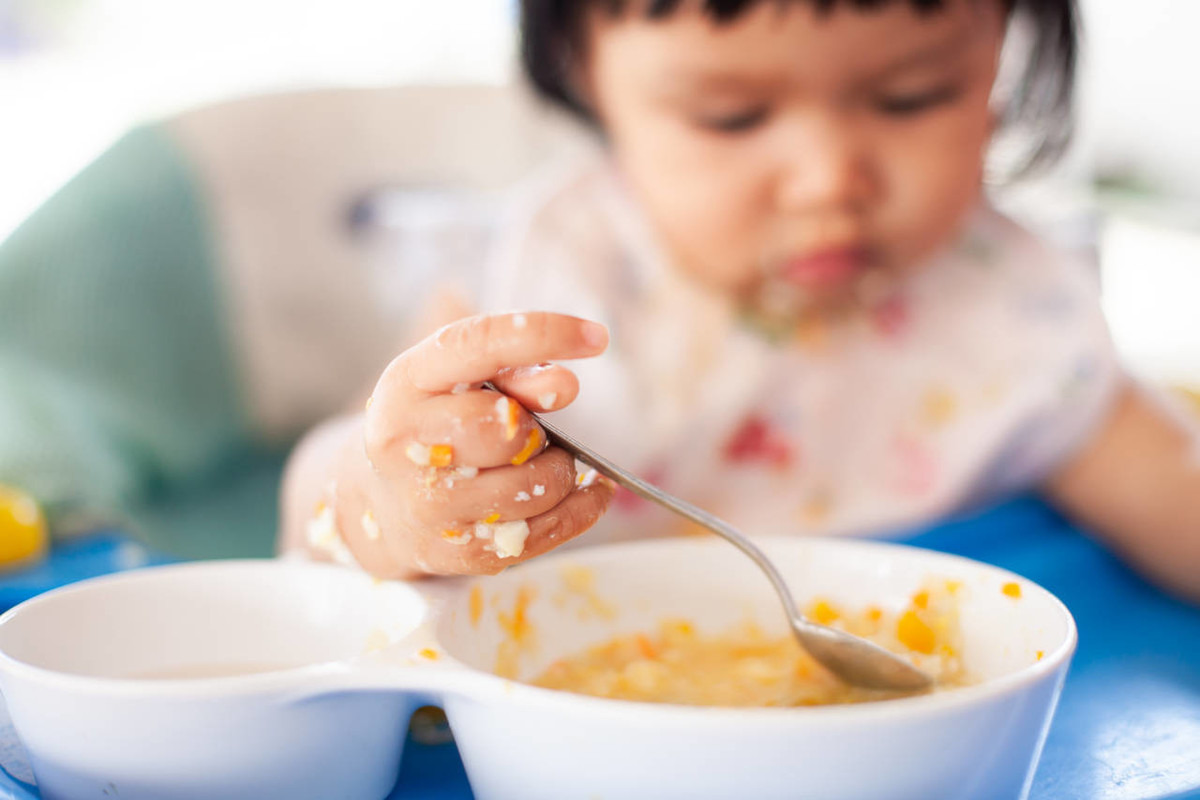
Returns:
(789,153)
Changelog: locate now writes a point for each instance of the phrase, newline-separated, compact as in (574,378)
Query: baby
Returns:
(793,303)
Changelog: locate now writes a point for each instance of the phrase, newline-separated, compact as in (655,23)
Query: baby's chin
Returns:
(779,302)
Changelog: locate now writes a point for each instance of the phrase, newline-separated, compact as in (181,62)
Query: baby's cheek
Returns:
(724,241)
(928,202)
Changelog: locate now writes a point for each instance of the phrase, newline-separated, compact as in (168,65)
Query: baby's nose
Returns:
(822,168)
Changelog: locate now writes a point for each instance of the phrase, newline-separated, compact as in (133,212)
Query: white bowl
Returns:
(333,726)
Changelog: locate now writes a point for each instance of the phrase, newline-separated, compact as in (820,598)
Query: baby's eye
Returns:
(910,104)
(735,123)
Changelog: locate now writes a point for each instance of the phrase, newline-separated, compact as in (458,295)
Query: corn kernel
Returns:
(440,455)
(455,536)
(532,443)
(645,647)
(915,634)
(823,612)
(1011,589)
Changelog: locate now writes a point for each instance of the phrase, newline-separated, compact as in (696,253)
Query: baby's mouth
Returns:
(825,269)
(833,282)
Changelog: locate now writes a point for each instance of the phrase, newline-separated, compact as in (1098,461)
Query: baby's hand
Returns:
(450,478)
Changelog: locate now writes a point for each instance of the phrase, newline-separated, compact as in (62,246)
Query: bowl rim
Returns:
(451,680)
(290,678)
(932,704)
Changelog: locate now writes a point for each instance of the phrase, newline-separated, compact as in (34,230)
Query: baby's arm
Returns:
(435,461)
(1137,485)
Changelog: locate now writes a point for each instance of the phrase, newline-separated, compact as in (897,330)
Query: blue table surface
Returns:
(1127,727)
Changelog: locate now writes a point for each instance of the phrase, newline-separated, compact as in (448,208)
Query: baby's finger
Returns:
(544,387)
(456,502)
(570,518)
(475,349)
(478,429)
(573,516)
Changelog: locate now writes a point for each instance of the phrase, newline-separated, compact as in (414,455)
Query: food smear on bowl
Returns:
(520,636)
(745,667)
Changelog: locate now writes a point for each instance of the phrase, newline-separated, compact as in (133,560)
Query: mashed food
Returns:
(746,667)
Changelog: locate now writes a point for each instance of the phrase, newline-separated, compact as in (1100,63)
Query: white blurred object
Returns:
(114,63)
(1151,278)
(1138,109)
(283,176)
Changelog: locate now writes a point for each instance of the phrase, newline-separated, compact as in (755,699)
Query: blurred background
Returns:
(393,116)
(76,74)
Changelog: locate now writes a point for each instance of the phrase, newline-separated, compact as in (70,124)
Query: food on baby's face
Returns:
(746,667)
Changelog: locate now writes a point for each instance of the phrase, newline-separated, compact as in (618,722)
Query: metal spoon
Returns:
(856,661)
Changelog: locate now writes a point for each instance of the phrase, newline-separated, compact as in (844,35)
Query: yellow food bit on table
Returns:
(23,533)
(1011,589)
(429,653)
(921,599)
(1040,655)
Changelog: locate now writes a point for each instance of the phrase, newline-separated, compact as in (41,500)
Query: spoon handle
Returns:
(655,495)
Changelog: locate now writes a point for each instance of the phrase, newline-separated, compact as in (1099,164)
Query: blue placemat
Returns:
(1127,728)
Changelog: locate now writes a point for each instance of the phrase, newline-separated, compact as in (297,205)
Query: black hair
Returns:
(1041,103)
